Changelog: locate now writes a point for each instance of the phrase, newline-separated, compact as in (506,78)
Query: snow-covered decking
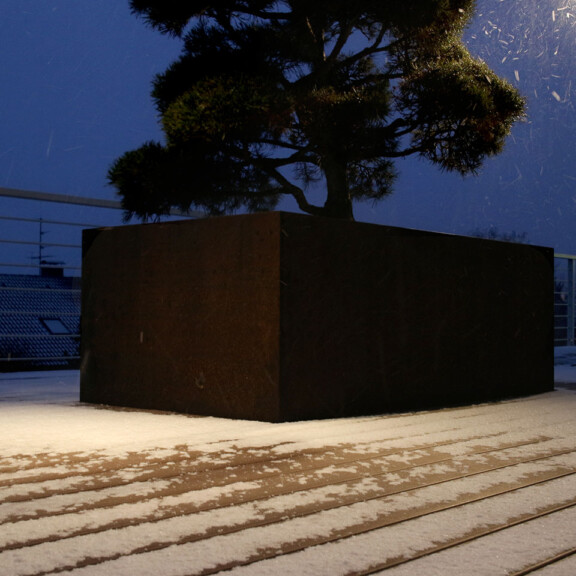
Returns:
(487,489)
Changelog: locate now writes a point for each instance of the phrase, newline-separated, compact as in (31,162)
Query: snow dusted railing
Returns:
(564,299)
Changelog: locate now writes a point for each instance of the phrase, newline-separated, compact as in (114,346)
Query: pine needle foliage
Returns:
(268,98)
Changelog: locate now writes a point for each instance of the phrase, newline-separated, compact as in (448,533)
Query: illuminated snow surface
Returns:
(45,430)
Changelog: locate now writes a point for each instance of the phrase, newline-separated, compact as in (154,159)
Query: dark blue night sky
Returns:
(75,79)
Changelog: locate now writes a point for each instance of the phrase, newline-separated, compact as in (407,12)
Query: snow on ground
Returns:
(144,523)
(49,401)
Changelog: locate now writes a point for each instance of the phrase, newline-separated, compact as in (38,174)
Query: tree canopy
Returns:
(269,97)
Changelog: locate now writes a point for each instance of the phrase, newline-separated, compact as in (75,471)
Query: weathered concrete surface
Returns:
(281,316)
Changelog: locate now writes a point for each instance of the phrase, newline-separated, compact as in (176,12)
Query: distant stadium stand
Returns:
(39,321)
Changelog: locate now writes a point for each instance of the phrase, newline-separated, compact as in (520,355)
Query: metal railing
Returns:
(40,275)
(41,260)
(55,242)
(564,299)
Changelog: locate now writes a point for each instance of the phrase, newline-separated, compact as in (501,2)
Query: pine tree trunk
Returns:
(338,202)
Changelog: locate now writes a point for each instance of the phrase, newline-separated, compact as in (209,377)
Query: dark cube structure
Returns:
(283,317)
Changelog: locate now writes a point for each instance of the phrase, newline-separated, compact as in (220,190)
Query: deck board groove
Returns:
(321,505)
(351,497)
(546,563)
(293,486)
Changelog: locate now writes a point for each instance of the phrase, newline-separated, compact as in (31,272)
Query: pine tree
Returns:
(270,97)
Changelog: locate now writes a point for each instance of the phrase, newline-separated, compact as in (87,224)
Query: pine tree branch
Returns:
(345,32)
(291,189)
(405,152)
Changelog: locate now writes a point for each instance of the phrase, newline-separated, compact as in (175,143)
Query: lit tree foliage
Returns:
(269,97)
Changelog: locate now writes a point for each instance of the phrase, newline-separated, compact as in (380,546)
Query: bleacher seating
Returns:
(39,321)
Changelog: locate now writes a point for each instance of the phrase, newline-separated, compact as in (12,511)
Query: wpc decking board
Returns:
(480,490)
